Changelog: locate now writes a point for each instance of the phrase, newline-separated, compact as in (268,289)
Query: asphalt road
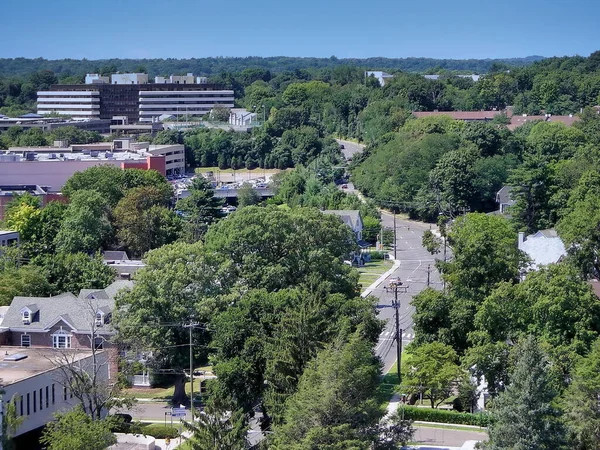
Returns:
(350,148)
(415,262)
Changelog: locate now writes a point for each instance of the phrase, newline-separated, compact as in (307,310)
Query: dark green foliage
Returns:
(524,415)
(160,431)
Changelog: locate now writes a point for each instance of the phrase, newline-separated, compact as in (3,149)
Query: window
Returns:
(28,412)
(53,394)
(47,396)
(41,399)
(34,401)
(25,340)
(61,339)
(64,393)
(99,319)
(26,317)
(21,402)
(99,343)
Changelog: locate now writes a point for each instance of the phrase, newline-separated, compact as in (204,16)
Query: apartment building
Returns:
(134,97)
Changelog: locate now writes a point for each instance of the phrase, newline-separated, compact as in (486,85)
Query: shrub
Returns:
(159,431)
(377,255)
(438,415)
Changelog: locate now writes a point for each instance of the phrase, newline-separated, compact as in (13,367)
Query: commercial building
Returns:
(51,167)
(34,379)
(8,193)
(380,76)
(9,238)
(132,96)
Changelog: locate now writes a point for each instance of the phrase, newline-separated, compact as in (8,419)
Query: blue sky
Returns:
(393,28)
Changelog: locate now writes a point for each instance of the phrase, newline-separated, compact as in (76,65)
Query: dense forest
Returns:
(216,65)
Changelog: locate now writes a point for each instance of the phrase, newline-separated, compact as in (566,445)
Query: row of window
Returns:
(61,339)
(31,402)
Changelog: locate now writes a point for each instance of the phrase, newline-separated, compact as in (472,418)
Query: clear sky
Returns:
(459,29)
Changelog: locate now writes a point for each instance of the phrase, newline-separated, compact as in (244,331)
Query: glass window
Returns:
(61,340)
(25,340)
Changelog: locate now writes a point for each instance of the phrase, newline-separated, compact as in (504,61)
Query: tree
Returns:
(180,284)
(200,209)
(335,394)
(143,221)
(274,248)
(523,416)
(247,196)
(218,428)
(85,227)
(72,272)
(26,281)
(432,370)
(431,243)
(580,401)
(75,430)
(220,114)
(11,421)
(22,214)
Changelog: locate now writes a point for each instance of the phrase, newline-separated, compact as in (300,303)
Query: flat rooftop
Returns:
(68,156)
(37,361)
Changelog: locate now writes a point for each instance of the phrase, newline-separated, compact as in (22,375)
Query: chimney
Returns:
(521,238)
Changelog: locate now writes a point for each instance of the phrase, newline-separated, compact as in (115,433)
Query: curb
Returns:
(378,281)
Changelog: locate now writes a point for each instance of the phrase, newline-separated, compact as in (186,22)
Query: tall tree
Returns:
(580,401)
(85,227)
(200,209)
(523,416)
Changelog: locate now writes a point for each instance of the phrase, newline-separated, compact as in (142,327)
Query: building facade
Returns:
(132,96)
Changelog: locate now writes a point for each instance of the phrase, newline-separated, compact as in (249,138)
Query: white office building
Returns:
(182,102)
(129,78)
(75,104)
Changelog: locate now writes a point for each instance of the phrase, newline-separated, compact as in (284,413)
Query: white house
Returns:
(544,247)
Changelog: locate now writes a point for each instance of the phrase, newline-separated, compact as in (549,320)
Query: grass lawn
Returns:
(450,427)
(371,271)
(166,393)
(388,385)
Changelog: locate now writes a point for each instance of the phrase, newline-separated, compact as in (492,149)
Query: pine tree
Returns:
(524,417)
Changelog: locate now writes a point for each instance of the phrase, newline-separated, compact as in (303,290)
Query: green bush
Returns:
(159,431)
(377,255)
(442,416)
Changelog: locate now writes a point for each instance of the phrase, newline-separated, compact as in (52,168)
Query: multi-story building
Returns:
(25,169)
(132,96)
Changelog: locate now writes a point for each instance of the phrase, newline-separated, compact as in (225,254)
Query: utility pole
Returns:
(191,326)
(191,376)
(396,306)
(395,240)
(428,273)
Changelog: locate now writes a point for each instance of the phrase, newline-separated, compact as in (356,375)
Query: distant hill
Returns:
(216,65)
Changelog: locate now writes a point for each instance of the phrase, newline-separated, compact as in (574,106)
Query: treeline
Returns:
(216,65)
(437,165)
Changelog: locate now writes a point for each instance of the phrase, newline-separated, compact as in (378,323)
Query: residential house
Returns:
(121,263)
(351,217)
(64,321)
(504,199)
(544,247)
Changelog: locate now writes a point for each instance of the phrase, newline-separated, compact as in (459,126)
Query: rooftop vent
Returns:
(15,357)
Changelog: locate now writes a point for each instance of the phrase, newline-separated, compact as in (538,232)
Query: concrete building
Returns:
(132,96)
(51,167)
(52,170)
(94,78)
(33,378)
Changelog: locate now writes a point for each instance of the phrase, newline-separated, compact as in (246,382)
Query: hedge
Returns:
(443,416)
(159,431)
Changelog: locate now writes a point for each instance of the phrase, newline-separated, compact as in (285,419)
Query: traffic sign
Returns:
(178,412)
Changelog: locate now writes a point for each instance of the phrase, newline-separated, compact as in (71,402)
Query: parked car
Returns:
(344,186)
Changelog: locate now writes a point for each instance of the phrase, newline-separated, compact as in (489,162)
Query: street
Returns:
(415,263)
(350,148)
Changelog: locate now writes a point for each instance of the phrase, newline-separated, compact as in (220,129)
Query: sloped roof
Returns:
(544,247)
(503,196)
(79,312)
(350,217)
(115,255)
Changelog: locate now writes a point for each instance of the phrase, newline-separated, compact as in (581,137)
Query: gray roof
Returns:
(350,217)
(503,196)
(79,311)
(115,255)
